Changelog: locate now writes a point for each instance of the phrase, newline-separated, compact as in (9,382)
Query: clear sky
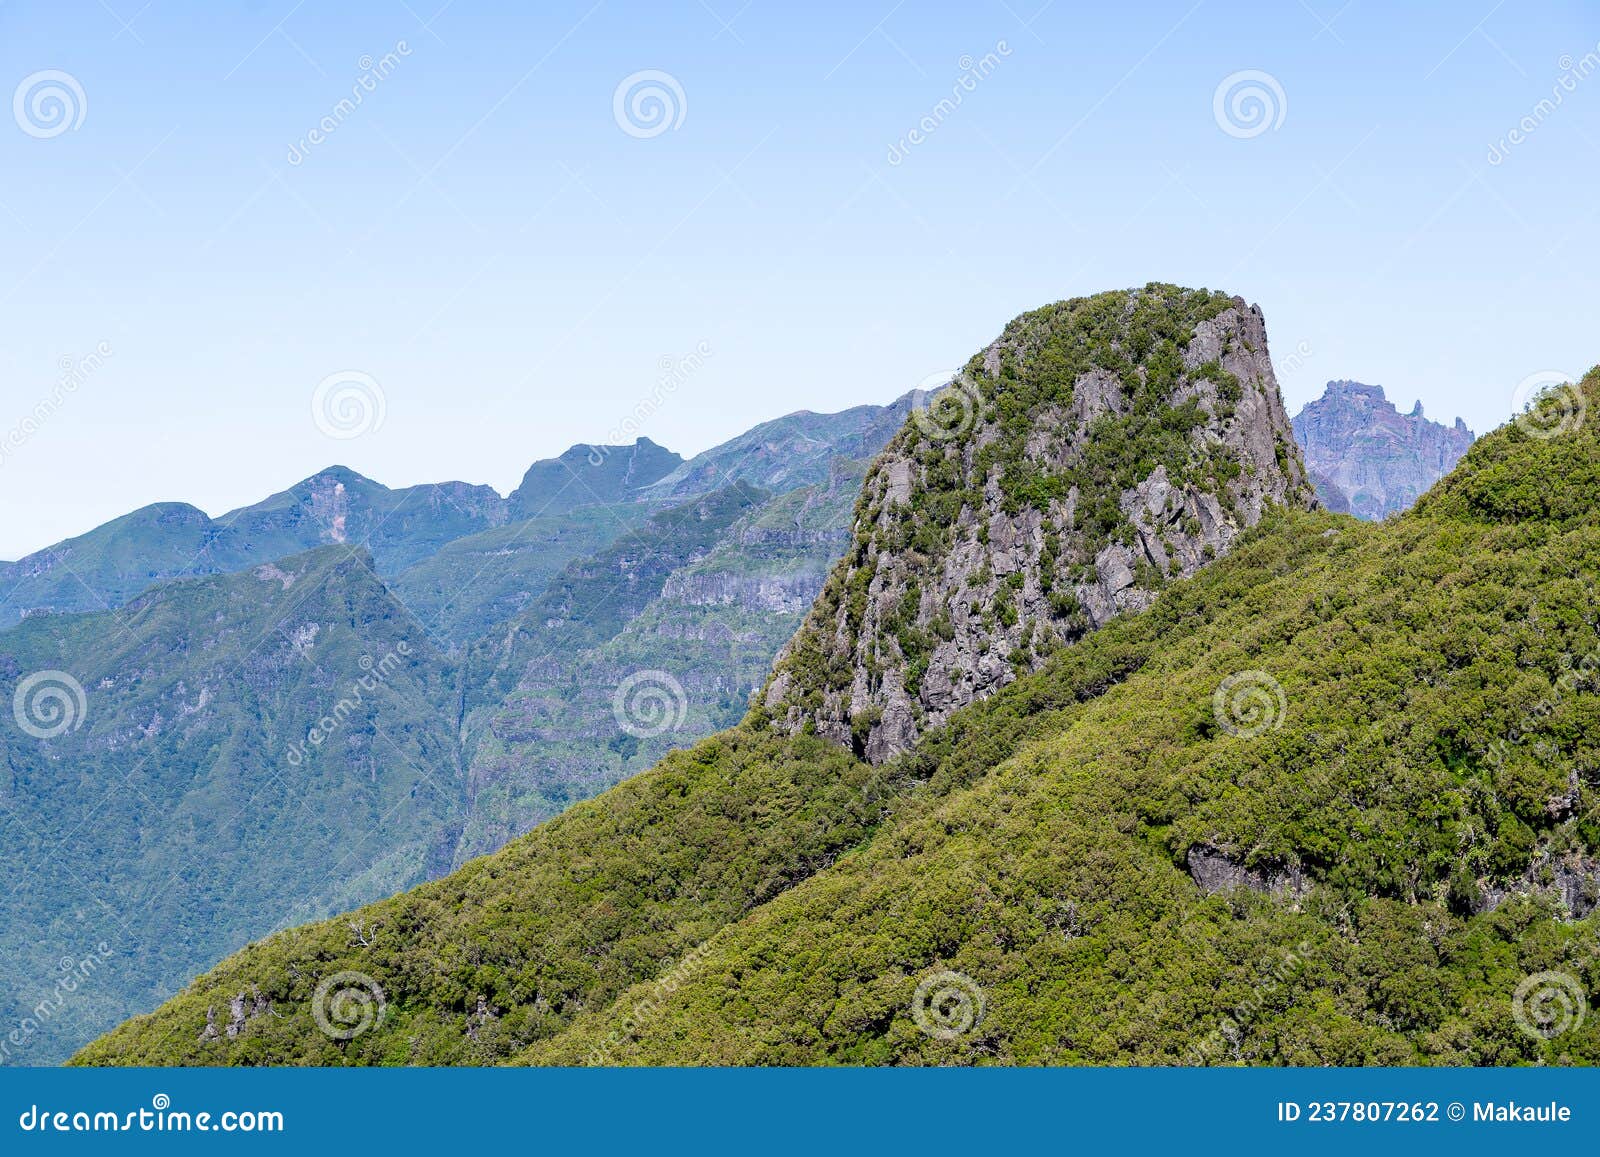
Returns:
(509,257)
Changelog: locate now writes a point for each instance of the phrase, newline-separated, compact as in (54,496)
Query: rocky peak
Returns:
(1368,459)
(1100,447)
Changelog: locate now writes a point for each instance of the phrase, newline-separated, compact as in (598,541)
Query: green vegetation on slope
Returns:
(1099,447)
(513,677)
(1420,830)
(692,654)
(513,946)
(473,584)
(189,808)
(710,589)
(1397,837)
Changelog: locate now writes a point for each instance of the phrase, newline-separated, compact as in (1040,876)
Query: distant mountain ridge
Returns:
(1327,801)
(105,567)
(1368,459)
(224,778)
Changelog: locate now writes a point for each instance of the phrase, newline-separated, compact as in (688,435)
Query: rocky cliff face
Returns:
(1368,459)
(1097,449)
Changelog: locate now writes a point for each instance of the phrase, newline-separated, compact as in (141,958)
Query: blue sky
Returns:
(483,240)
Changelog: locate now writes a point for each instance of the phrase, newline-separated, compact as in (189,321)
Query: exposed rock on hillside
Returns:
(1098,448)
(1368,459)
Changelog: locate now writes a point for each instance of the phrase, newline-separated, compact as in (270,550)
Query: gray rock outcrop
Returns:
(1080,463)
(1368,459)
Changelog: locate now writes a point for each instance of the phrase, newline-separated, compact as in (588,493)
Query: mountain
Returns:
(539,752)
(1328,800)
(589,475)
(219,757)
(1367,458)
(473,584)
(520,634)
(687,638)
(111,564)
(796,450)
(1098,449)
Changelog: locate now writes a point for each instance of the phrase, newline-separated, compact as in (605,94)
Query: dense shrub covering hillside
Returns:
(1420,831)
(1359,852)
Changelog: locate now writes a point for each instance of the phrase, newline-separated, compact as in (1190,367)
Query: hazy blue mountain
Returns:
(107,566)
(187,821)
(587,475)
(796,450)
(690,616)
(247,751)
(468,586)
(1367,458)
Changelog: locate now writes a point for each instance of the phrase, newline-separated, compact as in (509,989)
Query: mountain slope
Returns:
(1380,848)
(1106,861)
(682,667)
(787,453)
(1097,449)
(709,587)
(666,859)
(111,564)
(219,757)
(1366,457)
(587,475)
(518,681)
(473,584)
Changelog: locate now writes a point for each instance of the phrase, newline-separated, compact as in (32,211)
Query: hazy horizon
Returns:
(506,489)
(464,224)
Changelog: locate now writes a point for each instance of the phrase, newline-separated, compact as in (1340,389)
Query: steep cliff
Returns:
(1099,448)
(1382,852)
(1368,459)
